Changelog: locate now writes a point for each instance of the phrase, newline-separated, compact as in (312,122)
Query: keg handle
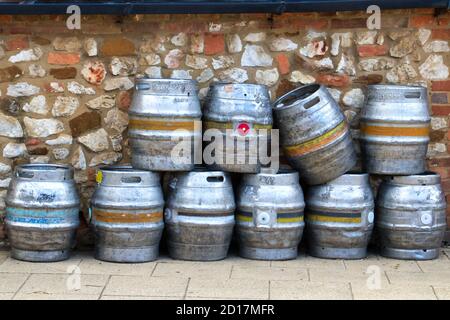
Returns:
(131,180)
(142,86)
(412,95)
(297,94)
(24,174)
(216,179)
(90,214)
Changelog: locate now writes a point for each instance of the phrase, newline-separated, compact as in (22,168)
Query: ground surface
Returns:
(83,277)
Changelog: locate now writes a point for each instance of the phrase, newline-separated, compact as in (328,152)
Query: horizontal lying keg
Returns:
(339,217)
(42,212)
(165,131)
(314,134)
(242,118)
(395,129)
(127,214)
(269,218)
(411,216)
(199,215)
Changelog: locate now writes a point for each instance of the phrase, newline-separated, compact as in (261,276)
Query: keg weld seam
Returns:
(316,143)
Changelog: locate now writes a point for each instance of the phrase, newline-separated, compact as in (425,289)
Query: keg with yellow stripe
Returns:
(395,129)
(269,215)
(411,216)
(340,217)
(314,134)
(238,122)
(165,130)
(199,215)
(127,214)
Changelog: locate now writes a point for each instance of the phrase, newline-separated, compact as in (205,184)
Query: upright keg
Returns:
(269,215)
(395,129)
(165,131)
(411,216)
(199,215)
(339,217)
(314,134)
(127,214)
(42,212)
(242,118)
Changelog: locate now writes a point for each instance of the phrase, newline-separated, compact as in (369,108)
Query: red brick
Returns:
(443,172)
(421,21)
(333,80)
(283,63)
(117,47)
(123,100)
(33,142)
(443,85)
(348,23)
(440,110)
(214,43)
(439,162)
(371,50)
(424,10)
(17,43)
(316,24)
(63,58)
(445,183)
(4,18)
(442,34)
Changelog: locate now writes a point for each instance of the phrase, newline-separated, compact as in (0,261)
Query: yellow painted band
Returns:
(316,143)
(395,131)
(229,125)
(141,124)
(112,217)
(313,217)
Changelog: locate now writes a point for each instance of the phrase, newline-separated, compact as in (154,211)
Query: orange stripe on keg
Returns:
(316,143)
(116,217)
(140,124)
(395,131)
(229,125)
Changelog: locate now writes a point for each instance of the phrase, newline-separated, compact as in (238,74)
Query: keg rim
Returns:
(395,86)
(145,78)
(424,178)
(116,175)
(283,177)
(44,171)
(44,166)
(351,177)
(122,169)
(315,87)
(216,90)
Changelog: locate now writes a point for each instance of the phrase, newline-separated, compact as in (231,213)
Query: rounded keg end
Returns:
(337,253)
(410,254)
(190,252)
(127,255)
(268,254)
(40,256)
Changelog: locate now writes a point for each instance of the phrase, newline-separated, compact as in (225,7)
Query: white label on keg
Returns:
(263,218)
(371,217)
(426,218)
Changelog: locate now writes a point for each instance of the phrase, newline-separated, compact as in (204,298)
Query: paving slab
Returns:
(174,287)
(437,265)
(216,270)
(6,296)
(310,262)
(384,264)
(52,296)
(3,256)
(70,284)
(11,265)
(231,289)
(304,290)
(393,292)
(269,273)
(346,276)
(92,266)
(443,293)
(427,278)
(11,282)
(137,298)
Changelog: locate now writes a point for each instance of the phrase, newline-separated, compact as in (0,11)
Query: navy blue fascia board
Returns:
(203,6)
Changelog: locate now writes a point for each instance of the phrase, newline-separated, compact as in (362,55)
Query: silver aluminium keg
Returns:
(269,216)
(411,216)
(242,118)
(42,212)
(199,215)
(127,214)
(314,134)
(165,131)
(339,217)
(395,129)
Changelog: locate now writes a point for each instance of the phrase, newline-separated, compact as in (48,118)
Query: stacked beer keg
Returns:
(220,179)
